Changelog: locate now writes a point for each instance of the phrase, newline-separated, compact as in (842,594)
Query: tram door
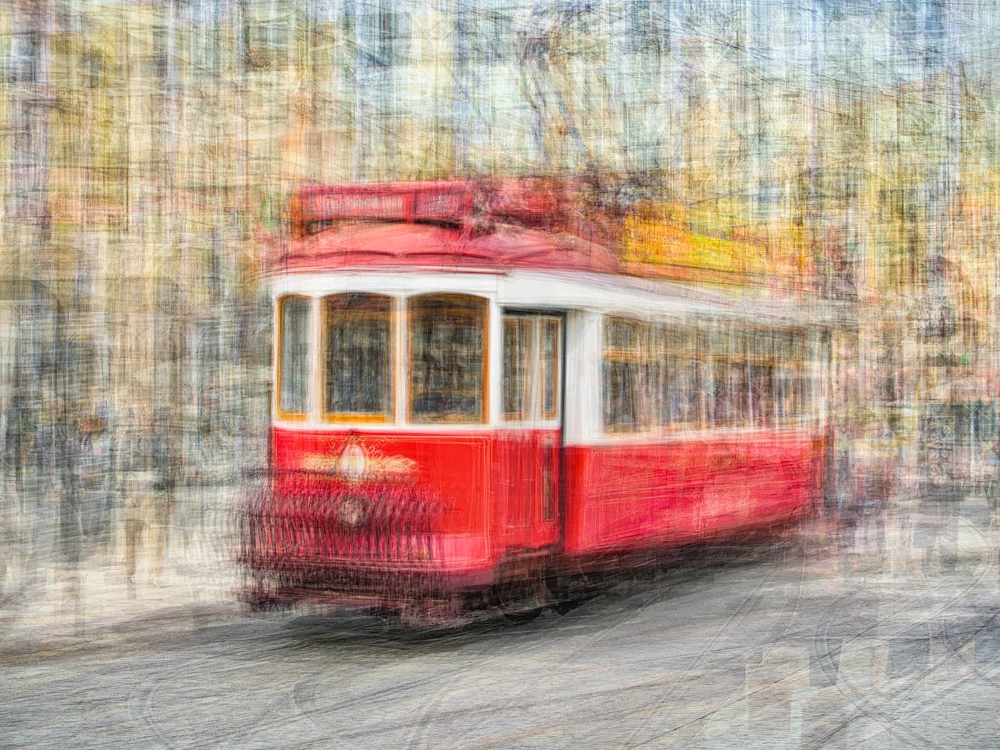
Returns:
(532,439)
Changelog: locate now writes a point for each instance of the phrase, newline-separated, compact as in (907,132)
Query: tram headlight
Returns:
(352,463)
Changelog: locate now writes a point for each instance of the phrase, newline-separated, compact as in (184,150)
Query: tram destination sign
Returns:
(444,201)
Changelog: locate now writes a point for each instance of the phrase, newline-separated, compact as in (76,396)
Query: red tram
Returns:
(473,409)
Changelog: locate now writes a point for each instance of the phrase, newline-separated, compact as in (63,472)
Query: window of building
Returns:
(447,359)
(384,36)
(493,38)
(357,353)
(293,363)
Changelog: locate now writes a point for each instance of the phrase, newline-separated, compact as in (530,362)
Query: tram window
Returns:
(782,352)
(712,348)
(732,397)
(790,377)
(678,383)
(516,361)
(727,372)
(623,375)
(357,340)
(806,378)
(761,394)
(653,370)
(726,376)
(447,362)
(293,365)
(739,376)
(760,371)
(550,369)
(530,368)
(706,387)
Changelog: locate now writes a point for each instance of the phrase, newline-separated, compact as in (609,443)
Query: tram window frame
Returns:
(471,306)
(760,377)
(725,367)
(297,414)
(706,374)
(739,376)
(539,367)
(386,414)
(624,366)
(550,368)
(517,384)
(661,366)
(678,394)
(812,386)
(792,371)
(726,361)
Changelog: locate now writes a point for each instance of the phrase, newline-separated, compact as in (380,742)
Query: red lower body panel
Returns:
(388,519)
(650,494)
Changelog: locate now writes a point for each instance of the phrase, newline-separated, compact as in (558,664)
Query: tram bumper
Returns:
(290,582)
(379,545)
(391,574)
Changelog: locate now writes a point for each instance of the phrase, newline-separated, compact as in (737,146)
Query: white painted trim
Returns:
(392,284)
(556,291)
(582,419)
(382,427)
(583,297)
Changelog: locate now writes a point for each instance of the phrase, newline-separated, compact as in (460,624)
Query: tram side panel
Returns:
(643,495)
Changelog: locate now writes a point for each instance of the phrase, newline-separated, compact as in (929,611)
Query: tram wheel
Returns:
(521,602)
(522,617)
(564,608)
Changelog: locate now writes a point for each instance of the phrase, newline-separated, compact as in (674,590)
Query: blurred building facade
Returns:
(145,143)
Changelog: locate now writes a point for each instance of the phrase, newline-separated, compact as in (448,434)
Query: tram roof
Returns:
(380,246)
(434,227)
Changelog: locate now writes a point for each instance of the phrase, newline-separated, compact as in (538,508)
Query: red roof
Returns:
(383,246)
(440,225)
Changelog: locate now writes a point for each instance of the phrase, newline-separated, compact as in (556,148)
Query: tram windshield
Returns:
(293,362)
(446,363)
